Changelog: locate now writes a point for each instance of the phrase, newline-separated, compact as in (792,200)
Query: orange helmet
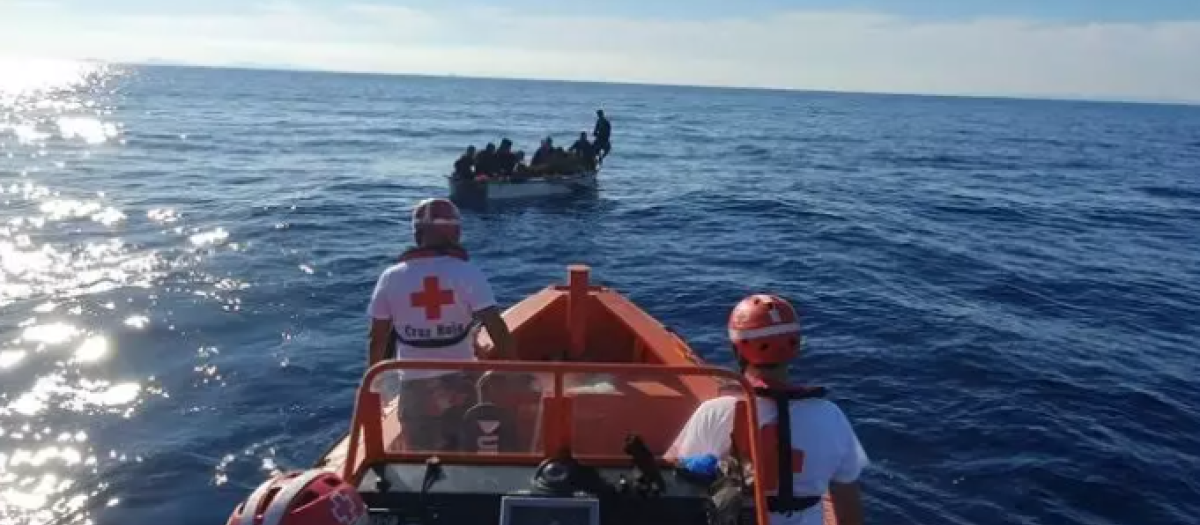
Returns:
(764,330)
(435,220)
(312,497)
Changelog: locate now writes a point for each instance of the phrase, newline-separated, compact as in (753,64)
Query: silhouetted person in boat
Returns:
(602,133)
(520,170)
(506,160)
(812,446)
(464,167)
(543,154)
(584,151)
(486,162)
(428,304)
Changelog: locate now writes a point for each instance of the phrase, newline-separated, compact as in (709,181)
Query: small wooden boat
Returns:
(577,430)
(534,187)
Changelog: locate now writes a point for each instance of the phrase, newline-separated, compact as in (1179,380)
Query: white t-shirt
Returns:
(431,298)
(819,428)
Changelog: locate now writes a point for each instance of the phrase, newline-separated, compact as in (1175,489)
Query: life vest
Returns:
(784,502)
(410,254)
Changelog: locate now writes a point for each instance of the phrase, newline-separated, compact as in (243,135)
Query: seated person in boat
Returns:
(520,169)
(584,151)
(506,160)
(485,161)
(807,445)
(542,156)
(549,160)
(464,167)
(428,306)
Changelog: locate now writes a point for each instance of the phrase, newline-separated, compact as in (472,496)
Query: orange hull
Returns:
(582,323)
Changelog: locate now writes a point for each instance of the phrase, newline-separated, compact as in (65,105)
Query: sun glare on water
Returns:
(54,384)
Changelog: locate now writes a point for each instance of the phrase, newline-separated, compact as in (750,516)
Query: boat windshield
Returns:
(523,412)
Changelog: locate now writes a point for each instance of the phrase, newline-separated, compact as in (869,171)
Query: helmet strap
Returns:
(419,237)
(773,373)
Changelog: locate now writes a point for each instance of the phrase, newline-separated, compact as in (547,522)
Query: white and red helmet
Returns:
(764,330)
(436,220)
(312,497)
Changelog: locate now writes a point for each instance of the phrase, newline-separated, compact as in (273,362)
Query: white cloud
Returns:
(858,51)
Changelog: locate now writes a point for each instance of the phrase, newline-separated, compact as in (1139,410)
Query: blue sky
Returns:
(1057,10)
(1122,49)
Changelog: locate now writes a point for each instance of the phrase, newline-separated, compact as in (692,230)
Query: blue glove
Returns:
(707,466)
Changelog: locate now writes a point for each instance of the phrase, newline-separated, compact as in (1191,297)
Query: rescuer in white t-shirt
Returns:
(428,304)
(824,451)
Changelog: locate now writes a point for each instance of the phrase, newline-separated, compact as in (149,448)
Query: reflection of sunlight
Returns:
(92,350)
(122,394)
(53,390)
(67,455)
(211,238)
(163,215)
(28,76)
(24,500)
(61,209)
(109,216)
(51,334)
(66,208)
(50,261)
(29,404)
(15,261)
(98,267)
(10,358)
(89,129)
(137,321)
(28,134)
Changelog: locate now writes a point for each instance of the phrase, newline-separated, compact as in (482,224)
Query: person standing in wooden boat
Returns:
(602,134)
(428,304)
(808,443)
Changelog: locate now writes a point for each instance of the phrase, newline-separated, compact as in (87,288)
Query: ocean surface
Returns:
(1003,295)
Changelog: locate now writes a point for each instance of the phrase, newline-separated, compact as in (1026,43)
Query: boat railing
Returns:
(551,409)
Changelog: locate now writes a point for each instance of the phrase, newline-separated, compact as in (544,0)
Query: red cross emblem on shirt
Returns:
(432,298)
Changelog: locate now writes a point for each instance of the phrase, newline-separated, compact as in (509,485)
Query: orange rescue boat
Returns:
(577,430)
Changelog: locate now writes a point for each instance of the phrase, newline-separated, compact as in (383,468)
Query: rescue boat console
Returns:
(560,491)
(579,444)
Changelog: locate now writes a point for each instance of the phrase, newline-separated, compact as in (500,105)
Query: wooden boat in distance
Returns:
(578,429)
(467,191)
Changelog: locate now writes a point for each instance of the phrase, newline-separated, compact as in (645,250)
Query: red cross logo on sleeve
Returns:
(432,298)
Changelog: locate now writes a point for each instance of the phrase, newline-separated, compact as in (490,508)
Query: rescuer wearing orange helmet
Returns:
(428,304)
(824,452)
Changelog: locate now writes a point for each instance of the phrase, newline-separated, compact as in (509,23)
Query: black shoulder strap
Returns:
(786,501)
(783,414)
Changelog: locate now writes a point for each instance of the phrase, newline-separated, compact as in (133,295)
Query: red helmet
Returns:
(313,497)
(764,330)
(436,220)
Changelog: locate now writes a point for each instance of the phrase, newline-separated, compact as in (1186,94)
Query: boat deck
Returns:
(581,323)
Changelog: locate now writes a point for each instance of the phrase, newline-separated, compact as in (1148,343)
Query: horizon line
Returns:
(167,63)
